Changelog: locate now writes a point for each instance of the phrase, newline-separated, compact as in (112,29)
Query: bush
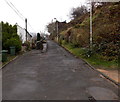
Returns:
(88,52)
(27,44)
(13,42)
(111,52)
(10,37)
(75,45)
(64,42)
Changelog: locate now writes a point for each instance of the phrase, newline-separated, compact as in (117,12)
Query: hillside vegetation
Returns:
(106,33)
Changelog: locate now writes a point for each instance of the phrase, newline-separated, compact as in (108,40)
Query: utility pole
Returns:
(26,27)
(57,29)
(91,36)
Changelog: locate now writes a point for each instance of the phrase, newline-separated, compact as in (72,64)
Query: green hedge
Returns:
(10,37)
(13,42)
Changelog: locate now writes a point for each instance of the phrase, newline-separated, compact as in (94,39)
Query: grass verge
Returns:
(9,58)
(94,60)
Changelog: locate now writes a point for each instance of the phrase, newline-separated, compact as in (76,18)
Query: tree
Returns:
(10,37)
(13,42)
(79,11)
(51,27)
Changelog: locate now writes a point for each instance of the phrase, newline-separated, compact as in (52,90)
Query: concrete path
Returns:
(54,75)
(113,74)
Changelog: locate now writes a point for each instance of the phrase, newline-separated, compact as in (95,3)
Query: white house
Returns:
(22,34)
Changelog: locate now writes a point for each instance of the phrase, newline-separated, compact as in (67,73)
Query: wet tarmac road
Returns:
(54,75)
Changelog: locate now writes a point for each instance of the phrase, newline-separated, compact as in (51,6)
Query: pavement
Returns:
(54,75)
(113,74)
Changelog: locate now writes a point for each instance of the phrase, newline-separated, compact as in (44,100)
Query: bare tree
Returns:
(79,11)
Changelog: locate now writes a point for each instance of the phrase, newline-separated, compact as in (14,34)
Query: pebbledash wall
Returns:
(22,34)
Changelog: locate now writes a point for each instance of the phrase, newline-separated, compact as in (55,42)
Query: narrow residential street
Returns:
(54,75)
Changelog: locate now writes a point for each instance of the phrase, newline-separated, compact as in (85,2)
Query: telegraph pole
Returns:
(26,27)
(91,35)
(57,31)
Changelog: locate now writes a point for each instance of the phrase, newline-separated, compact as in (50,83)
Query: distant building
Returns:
(22,34)
(62,26)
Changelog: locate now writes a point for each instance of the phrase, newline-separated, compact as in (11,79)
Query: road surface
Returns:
(54,75)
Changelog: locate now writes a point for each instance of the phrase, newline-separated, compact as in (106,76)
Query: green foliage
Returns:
(10,37)
(95,59)
(64,42)
(106,32)
(9,58)
(13,42)
(76,51)
(106,37)
(111,52)
(88,52)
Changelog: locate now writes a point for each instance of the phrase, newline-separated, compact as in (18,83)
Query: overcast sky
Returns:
(38,12)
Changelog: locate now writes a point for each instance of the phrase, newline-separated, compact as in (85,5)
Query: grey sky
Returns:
(38,12)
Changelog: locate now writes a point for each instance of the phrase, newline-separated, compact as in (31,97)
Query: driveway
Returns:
(54,75)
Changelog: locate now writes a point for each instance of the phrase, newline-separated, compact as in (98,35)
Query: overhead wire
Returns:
(16,9)
(31,26)
(12,6)
(13,9)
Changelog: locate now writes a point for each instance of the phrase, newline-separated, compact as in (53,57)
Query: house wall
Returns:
(22,33)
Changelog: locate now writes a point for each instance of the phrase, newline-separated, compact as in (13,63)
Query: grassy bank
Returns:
(9,58)
(95,60)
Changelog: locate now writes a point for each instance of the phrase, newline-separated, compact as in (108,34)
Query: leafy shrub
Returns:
(13,42)
(88,52)
(64,42)
(10,37)
(111,52)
